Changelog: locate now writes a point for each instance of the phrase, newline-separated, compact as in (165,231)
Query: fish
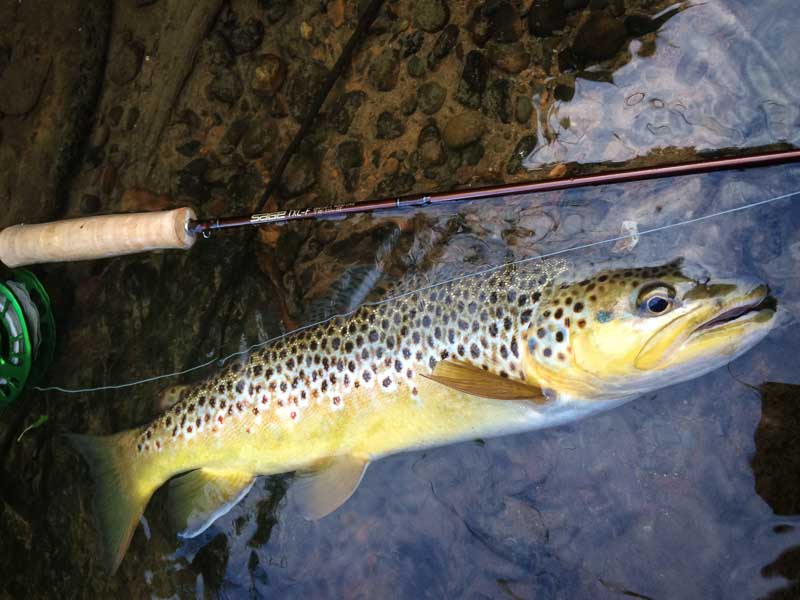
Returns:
(514,349)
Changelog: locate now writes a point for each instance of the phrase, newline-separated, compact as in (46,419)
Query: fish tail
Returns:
(120,496)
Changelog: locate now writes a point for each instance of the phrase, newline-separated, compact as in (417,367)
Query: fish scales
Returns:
(379,348)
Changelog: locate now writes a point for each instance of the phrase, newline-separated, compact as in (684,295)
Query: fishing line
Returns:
(258,345)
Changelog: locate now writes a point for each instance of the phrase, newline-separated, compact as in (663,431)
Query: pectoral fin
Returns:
(477,382)
(200,497)
(321,491)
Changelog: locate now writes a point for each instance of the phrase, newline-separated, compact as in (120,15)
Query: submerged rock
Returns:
(431,15)
(545,17)
(524,147)
(388,126)
(303,85)
(463,129)
(226,85)
(431,97)
(300,175)
(523,108)
(269,75)
(398,183)
(497,100)
(599,38)
(344,109)
(473,80)
(511,58)
(384,70)
(443,45)
(349,160)
(247,36)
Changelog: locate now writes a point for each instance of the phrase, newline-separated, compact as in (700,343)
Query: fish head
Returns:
(625,332)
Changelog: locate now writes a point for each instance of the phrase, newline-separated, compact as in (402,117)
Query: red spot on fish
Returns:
(221,419)
(293,415)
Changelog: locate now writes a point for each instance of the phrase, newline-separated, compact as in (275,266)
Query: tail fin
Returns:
(119,499)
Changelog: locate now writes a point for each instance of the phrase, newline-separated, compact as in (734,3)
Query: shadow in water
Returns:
(776,464)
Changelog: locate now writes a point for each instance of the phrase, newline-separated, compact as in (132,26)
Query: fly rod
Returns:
(104,236)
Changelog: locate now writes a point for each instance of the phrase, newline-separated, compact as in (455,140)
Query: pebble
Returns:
(473,153)
(388,126)
(126,62)
(431,97)
(523,108)
(497,100)
(431,151)
(443,45)
(599,38)
(473,80)
(524,147)
(431,15)
(415,67)
(299,177)
(409,105)
(302,87)
(411,43)
(505,25)
(247,37)
(463,129)
(344,109)
(226,85)
(232,136)
(256,141)
(189,149)
(546,17)
(268,75)
(384,70)
(398,183)
(510,58)
(349,160)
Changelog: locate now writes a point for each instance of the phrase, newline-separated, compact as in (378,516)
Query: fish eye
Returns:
(656,300)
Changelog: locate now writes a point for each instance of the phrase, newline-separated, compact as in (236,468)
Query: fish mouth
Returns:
(758,301)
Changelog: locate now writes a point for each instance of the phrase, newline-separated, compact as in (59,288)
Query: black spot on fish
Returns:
(514,347)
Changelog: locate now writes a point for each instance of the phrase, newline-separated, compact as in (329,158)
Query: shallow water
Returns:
(689,492)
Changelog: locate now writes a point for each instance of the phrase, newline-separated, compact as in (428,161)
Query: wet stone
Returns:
(384,70)
(523,108)
(564,92)
(409,105)
(275,10)
(497,100)
(344,109)
(232,136)
(524,147)
(510,58)
(212,561)
(599,38)
(431,15)
(411,43)
(505,25)
(416,67)
(397,183)
(473,80)
(431,97)
(226,85)
(247,36)
(269,75)
(189,148)
(197,167)
(300,175)
(546,17)
(388,126)
(192,186)
(256,141)
(463,129)
(473,153)
(349,160)
(217,51)
(126,62)
(303,85)
(443,46)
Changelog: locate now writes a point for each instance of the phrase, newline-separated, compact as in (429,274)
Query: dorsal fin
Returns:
(200,497)
(322,490)
(474,381)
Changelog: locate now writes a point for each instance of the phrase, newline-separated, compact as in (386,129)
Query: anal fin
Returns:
(474,381)
(322,490)
(200,497)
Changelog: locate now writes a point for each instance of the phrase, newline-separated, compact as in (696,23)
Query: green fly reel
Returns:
(27,334)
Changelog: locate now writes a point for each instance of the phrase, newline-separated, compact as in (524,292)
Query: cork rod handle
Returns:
(96,237)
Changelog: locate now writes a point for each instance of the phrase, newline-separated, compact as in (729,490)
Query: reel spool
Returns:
(27,334)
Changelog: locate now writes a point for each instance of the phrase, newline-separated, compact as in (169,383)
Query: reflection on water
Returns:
(717,78)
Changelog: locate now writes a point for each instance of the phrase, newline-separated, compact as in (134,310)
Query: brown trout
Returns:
(509,350)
